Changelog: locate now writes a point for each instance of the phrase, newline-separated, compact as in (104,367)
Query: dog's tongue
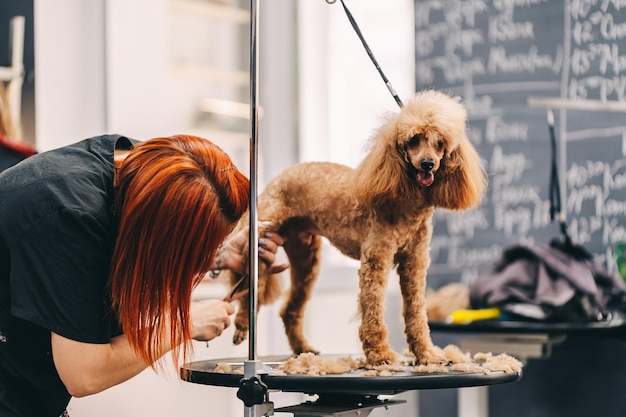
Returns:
(425,178)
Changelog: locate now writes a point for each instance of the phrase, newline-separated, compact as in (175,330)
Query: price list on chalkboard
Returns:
(513,61)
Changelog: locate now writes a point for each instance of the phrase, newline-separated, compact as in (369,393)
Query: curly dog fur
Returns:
(379,213)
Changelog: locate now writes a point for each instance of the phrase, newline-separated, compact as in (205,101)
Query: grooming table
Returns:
(341,394)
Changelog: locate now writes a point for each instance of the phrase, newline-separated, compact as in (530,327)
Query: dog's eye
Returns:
(440,144)
(414,141)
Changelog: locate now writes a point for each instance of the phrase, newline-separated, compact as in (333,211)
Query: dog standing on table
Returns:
(379,213)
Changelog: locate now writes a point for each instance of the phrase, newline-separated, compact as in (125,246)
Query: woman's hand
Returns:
(230,254)
(209,318)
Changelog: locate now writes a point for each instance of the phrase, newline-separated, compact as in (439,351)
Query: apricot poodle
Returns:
(380,214)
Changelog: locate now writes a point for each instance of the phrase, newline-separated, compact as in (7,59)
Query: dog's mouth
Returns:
(425,178)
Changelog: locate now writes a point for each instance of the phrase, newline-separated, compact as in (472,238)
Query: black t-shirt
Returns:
(57,233)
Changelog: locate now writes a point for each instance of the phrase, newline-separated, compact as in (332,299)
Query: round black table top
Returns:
(515,326)
(203,372)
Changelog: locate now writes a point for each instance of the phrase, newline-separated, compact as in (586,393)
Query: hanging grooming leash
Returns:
(355,26)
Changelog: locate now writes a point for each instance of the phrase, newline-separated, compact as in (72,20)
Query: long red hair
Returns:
(176,199)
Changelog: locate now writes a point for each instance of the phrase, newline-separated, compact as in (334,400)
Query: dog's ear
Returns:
(381,174)
(461,181)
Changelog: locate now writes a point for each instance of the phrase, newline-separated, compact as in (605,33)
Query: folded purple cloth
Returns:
(562,279)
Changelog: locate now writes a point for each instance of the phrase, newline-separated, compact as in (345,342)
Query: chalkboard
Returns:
(511,61)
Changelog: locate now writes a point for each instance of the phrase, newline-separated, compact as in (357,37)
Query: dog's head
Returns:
(428,129)
(424,149)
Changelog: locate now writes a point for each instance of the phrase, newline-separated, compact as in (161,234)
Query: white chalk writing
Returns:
(494,53)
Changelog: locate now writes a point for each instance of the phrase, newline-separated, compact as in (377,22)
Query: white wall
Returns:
(342,95)
(69,71)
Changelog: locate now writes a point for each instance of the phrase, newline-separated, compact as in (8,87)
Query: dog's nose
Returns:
(427,164)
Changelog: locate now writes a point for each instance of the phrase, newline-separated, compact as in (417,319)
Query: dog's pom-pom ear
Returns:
(382,173)
(462,180)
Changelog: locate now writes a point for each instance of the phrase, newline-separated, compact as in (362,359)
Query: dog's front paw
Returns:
(434,356)
(384,357)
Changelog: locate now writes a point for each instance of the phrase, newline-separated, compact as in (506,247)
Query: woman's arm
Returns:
(87,368)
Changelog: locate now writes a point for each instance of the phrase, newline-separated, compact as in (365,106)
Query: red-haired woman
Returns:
(101,244)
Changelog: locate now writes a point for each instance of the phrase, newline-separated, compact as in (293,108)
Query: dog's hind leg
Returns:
(268,290)
(303,250)
(242,320)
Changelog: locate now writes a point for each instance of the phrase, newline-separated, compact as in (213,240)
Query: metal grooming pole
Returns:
(252,391)
(254,154)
